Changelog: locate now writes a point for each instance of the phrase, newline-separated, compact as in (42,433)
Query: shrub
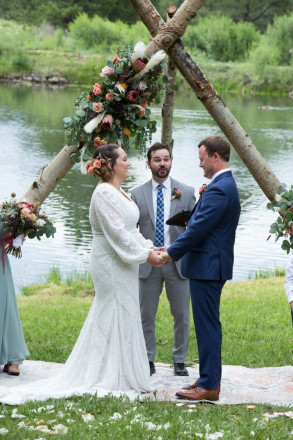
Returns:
(20,62)
(280,36)
(221,38)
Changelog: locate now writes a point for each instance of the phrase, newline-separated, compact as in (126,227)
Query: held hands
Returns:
(159,257)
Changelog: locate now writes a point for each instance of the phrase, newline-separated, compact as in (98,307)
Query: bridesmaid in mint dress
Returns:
(13,349)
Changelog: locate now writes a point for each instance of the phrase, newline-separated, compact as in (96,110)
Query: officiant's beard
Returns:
(161,173)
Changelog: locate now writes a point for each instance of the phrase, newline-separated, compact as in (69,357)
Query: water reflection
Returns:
(32,134)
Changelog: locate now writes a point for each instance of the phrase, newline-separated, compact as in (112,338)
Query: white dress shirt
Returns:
(166,189)
(289,279)
(220,172)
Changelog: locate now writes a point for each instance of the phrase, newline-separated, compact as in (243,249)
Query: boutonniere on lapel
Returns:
(203,189)
(176,193)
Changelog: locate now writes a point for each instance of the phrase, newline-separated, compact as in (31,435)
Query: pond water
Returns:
(31,135)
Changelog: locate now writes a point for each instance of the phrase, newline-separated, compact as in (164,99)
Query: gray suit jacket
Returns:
(142,196)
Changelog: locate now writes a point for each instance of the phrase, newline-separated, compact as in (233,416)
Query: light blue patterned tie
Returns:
(159,241)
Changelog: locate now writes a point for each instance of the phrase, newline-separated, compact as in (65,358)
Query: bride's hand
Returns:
(155,259)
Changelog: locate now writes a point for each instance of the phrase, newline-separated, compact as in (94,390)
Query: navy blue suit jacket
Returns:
(207,245)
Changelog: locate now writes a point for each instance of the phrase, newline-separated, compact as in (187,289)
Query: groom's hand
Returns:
(166,257)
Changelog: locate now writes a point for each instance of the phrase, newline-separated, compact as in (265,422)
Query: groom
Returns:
(206,249)
(159,199)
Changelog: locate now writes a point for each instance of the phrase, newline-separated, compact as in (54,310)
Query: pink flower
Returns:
(98,107)
(109,96)
(138,64)
(89,97)
(32,217)
(115,59)
(144,103)
(25,212)
(142,85)
(132,96)
(90,170)
(107,122)
(97,89)
(97,164)
(141,112)
(107,71)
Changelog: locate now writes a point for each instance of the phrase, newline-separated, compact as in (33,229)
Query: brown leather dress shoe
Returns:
(190,387)
(199,393)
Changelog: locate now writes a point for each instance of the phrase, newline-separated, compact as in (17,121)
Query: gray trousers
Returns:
(178,294)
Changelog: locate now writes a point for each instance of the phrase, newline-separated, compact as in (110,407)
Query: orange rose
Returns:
(126,132)
(25,212)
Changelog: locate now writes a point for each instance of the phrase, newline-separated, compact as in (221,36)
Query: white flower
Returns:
(279,198)
(3,431)
(214,436)
(40,222)
(15,414)
(87,418)
(116,415)
(142,85)
(120,88)
(93,123)
(138,51)
(60,429)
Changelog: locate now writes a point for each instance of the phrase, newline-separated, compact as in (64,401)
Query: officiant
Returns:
(159,199)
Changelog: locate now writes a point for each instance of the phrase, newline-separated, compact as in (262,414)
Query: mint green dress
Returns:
(13,349)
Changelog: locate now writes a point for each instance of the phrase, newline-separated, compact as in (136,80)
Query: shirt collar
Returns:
(166,183)
(219,172)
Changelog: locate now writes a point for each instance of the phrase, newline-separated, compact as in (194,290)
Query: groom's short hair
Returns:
(216,144)
(157,146)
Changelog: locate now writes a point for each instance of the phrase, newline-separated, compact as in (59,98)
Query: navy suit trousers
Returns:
(205,298)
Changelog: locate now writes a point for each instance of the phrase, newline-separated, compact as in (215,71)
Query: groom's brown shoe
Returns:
(191,387)
(194,385)
(199,393)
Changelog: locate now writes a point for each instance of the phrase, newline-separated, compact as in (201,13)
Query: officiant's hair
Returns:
(157,146)
(216,144)
(108,151)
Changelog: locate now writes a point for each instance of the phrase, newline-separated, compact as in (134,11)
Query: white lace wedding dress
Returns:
(110,354)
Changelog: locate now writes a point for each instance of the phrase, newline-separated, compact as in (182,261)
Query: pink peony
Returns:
(142,85)
(132,96)
(107,71)
(96,89)
(138,64)
(98,107)
(97,164)
(115,59)
(107,122)
(109,96)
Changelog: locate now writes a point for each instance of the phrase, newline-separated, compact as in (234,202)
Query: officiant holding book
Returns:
(159,199)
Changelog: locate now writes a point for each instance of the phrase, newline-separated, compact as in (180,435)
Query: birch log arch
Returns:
(167,36)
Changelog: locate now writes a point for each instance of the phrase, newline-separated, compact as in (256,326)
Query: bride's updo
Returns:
(98,166)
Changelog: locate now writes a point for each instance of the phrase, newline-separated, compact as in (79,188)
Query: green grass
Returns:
(257,332)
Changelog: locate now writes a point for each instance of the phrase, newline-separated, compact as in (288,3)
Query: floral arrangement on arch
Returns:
(22,219)
(283,226)
(116,109)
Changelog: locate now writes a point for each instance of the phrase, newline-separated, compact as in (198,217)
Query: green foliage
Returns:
(222,39)
(283,226)
(280,37)
(21,62)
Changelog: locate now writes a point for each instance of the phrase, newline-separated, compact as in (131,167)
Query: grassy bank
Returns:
(257,332)
(80,53)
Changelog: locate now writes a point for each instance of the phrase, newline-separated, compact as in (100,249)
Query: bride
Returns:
(110,354)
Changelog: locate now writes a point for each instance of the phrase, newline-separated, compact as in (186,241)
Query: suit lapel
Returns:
(148,195)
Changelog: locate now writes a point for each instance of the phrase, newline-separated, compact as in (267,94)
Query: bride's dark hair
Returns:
(110,153)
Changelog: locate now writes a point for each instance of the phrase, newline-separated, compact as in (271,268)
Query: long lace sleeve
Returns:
(129,245)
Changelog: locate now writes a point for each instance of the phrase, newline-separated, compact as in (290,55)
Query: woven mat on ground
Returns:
(272,385)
